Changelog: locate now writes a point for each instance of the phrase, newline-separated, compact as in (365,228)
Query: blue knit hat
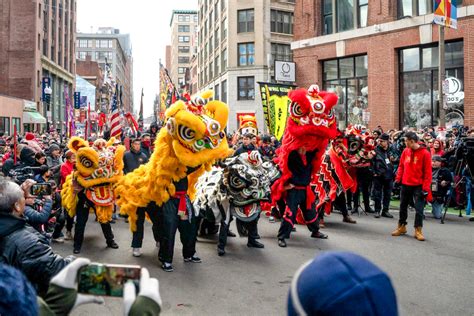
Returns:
(341,283)
(17,295)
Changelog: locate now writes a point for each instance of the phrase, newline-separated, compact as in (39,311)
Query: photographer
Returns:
(54,161)
(37,209)
(21,246)
(440,185)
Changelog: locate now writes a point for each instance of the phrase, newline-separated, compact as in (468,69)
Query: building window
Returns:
(104,43)
(362,12)
(216,65)
(340,16)
(5,125)
(181,70)
(224,60)
(223,29)
(216,10)
(81,55)
(245,20)
(211,42)
(224,87)
(281,22)
(246,53)
(347,77)
(183,49)
(183,39)
(282,52)
(83,43)
(211,71)
(246,88)
(216,92)
(183,28)
(216,38)
(419,106)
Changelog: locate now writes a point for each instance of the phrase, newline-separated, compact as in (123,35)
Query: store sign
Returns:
(29,106)
(366,116)
(452,88)
(285,71)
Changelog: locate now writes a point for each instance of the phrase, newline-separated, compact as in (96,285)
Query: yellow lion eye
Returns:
(86,162)
(213,127)
(186,133)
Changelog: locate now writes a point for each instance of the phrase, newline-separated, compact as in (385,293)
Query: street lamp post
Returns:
(47,97)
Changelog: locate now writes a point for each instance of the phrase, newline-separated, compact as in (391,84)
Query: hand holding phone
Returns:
(41,189)
(107,279)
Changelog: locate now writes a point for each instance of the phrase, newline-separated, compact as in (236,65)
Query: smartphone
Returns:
(39,189)
(107,279)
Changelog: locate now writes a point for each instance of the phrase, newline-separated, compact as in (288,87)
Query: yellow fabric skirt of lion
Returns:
(193,137)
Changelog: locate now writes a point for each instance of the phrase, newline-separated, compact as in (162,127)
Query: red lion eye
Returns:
(318,107)
(296,110)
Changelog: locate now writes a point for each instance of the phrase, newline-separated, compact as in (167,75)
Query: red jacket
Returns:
(415,168)
(66,169)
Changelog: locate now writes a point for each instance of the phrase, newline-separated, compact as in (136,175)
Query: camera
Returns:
(20,175)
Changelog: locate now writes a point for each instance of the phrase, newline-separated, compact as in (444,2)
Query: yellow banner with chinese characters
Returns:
(275,104)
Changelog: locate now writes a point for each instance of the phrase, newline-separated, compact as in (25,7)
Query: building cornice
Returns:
(376,29)
(57,70)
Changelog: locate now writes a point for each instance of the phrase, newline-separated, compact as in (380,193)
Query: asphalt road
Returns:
(435,277)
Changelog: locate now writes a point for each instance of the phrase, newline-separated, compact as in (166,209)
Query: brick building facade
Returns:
(36,42)
(380,57)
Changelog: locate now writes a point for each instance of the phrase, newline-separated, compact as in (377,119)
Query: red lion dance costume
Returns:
(311,124)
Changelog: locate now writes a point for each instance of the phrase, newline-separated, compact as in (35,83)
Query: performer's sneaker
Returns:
(282,243)
(319,235)
(194,259)
(349,219)
(220,251)
(255,244)
(377,215)
(136,252)
(76,251)
(231,233)
(69,235)
(387,214)
(112,244)
(58,240)
(167,267)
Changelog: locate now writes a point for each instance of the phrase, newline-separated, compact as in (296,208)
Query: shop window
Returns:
(246,88)
(347,77)
(16,121)
(419,85)
(5,125)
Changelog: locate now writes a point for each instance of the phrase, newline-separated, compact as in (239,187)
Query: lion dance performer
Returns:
(192,140)
(337,173)
(90,186)
(310,126)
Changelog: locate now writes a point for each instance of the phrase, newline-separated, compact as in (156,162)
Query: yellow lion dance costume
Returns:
(98,168)
(193,137)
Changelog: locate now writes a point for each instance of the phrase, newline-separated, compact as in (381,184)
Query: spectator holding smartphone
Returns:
(37,211)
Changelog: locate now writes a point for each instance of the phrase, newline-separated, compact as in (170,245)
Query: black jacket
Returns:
(382,166)
(441,174)
(132,160)
(300,173)
(38,218)
(22,247)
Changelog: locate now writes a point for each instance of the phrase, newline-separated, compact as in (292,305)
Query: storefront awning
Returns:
(33,118)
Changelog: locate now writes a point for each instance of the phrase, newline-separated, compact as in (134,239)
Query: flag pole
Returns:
(441,77)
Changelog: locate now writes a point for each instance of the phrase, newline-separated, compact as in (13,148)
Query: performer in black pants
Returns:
(82,215)
(153,213)
(299,195)
(178,214)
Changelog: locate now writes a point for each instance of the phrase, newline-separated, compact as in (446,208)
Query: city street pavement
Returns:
(435,277)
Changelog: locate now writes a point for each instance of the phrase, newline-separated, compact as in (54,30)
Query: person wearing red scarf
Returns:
(66,169)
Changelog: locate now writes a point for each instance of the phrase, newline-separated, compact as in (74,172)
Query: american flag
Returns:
(116,127)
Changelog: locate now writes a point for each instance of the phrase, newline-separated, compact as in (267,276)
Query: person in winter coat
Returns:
(54,161)
(383,177)
(21,246)
(37,211)
(247,145)
(414,175)
(133,158)
(440,185)
(438,148)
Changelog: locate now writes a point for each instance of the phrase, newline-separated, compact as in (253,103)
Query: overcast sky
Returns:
(148,23)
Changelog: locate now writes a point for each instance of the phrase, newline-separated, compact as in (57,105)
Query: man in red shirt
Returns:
(66,169)
(414,175)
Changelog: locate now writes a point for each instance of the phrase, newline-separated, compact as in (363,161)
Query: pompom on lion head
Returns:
(311,113)
(98,165)
(196,128)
